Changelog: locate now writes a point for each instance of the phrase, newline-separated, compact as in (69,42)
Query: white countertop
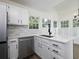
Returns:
(55,39)
(59,39)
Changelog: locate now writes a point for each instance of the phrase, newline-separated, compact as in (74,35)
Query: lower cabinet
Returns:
(47,49)
(46,54)
(37,46)
(13,49)
(55,56)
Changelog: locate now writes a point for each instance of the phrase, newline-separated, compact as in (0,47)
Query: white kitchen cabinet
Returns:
(55,56)
(37,46)
(46,53)
(52,49)
(17,15)
(69,50)
(47,49)
(13,49)
(13,15)
(24,16)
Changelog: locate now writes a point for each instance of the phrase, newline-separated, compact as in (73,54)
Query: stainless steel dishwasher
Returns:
(25,47)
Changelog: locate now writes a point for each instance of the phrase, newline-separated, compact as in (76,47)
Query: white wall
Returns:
(15,31)
(66,11)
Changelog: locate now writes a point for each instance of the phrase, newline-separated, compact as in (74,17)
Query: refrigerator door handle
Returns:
(7,16)
(7,20)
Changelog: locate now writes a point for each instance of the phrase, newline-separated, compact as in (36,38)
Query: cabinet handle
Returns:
(55,51)
(16,46)
(18,21)
(55,45)
(21,21)
(12,41)
(7,17)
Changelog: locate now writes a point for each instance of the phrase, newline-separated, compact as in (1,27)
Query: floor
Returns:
(33,57)
(76,51)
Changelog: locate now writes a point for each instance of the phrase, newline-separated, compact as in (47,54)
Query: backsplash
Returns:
(68,33)
(19,31)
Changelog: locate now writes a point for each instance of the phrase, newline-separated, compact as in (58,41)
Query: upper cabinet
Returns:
(17,15)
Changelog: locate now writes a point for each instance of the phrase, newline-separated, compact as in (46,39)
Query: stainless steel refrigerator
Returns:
(3,32)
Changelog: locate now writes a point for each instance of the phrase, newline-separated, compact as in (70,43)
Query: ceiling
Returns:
(42,5)
(67,6)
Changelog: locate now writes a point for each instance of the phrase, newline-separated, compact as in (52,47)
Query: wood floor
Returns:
(33,57)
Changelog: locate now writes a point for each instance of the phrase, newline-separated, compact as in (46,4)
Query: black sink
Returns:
(47,36)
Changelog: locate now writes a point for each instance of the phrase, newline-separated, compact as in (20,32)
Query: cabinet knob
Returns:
(55,45)
(55,51)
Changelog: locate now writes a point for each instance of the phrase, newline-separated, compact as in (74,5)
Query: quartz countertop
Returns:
(58,39)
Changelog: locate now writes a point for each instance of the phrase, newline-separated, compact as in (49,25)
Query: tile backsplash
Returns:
(19,31)
(68,32)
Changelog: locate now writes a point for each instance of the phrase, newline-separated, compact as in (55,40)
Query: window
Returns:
(76,21)
(45,22)
(55,24)
(64,24)
(33,22)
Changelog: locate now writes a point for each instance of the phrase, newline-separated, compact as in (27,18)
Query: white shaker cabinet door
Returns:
(35,45)
(17,15)
(46,52)
(13,50)
(13,15)
(24,16)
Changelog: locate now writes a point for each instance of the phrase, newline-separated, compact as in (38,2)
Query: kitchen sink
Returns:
(47,36)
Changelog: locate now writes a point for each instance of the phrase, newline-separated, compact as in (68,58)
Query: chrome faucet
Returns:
(49,29)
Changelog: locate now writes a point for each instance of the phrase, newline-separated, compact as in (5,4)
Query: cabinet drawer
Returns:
(38,39)
(45,42)
(54,56)
(57,51)
(57,44)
